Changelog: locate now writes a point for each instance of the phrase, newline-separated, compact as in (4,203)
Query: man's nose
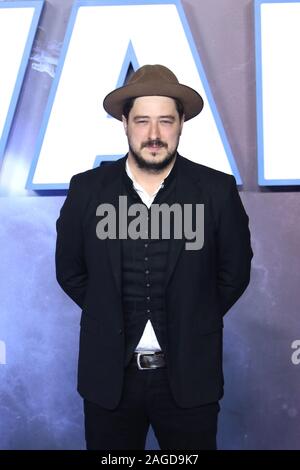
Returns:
(154,130)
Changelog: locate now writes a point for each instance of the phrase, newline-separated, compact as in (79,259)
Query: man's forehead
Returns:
(154,102)
(154,106)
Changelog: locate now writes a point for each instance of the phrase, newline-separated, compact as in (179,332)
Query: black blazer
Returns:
(200,285)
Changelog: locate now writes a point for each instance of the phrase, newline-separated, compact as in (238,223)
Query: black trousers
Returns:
(146,400)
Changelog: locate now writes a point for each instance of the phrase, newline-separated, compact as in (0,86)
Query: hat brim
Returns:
(191,100)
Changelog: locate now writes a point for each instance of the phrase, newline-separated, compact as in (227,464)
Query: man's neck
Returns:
(147,179)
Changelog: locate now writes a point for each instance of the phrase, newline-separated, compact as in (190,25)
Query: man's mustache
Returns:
(154,142)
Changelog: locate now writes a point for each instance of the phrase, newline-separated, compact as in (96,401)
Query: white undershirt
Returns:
(148,341)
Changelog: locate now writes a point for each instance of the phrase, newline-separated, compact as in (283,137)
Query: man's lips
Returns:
(155,147)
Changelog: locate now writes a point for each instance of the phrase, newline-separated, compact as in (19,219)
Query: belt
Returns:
(148,360)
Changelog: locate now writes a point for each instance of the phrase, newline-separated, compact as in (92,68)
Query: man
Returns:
(152,307)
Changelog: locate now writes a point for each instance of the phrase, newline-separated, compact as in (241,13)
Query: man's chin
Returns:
(156,159)
(157,151)
(153,161)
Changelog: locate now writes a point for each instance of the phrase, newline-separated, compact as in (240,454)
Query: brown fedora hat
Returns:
(153,80)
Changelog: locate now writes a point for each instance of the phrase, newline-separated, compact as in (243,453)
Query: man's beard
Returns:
(153,167)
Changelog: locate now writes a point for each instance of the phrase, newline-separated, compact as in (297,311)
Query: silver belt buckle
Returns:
(138,360)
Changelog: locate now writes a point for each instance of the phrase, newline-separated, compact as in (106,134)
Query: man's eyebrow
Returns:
(140,117)
(167,116)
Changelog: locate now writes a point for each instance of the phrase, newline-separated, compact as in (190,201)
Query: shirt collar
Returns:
(140,189)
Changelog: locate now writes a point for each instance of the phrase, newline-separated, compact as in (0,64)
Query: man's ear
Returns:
(124,120)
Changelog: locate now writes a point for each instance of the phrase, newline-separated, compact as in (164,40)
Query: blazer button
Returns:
(120,332)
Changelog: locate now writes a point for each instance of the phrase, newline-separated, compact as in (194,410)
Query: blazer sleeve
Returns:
(234,249)
(71,271)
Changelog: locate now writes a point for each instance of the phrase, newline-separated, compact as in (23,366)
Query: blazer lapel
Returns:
(187,192)
(109,193)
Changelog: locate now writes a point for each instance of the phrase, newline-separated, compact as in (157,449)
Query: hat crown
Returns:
(153,73)
(153,80)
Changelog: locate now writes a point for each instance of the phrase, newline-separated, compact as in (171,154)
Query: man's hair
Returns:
(130,102)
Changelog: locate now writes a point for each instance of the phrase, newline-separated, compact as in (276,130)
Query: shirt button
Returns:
(148,310)
(148,298)
(146,258)
(147,271)
(148,285)
(146,245)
